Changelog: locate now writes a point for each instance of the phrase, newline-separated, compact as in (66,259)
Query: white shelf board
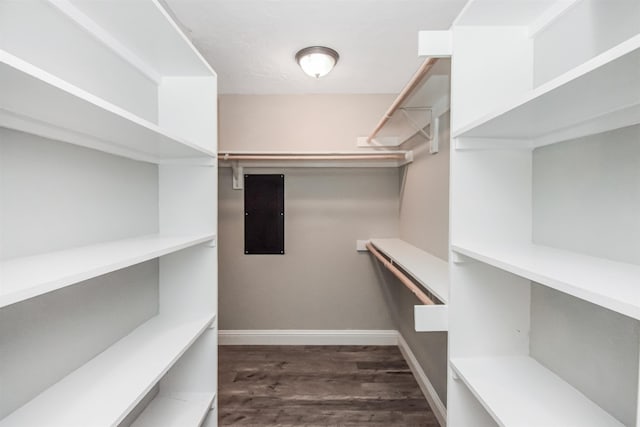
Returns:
(610,284)
(37,102)
(310,163)
(176,410)
(518,391)
(601,94)
(159,43)
(104,390)
(430,271)
(27,277)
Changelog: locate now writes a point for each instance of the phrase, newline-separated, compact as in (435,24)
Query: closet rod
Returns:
(373,156)
(401,276)
(402,97)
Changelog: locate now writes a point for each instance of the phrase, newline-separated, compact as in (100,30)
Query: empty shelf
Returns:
(27,277)
(430,271)
(518,391)
(104,390)
(37,102)
(610,284)
(176,410)
(600,95)
(159,45)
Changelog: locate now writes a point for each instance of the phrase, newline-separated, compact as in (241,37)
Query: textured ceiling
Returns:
(251,43)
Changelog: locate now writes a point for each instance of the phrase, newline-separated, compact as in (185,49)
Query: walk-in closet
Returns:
(319,213)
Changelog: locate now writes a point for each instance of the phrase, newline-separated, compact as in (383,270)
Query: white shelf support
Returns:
(418,129)
(406,92)
(238,175)
(434,144)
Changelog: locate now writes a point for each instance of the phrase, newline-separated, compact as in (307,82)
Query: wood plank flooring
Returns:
(318,386)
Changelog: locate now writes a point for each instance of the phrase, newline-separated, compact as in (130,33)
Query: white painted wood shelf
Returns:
(310,159)
(104,390)
(430,271)
(157,48)
(610,284)
(27,277)
(176,410)
(600,95)
(37,102)
(518,391)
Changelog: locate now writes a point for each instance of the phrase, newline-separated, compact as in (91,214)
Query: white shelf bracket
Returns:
(238,176)
(433,123)
(418,129)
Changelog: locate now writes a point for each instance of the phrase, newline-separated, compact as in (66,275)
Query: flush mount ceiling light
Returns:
(317,61)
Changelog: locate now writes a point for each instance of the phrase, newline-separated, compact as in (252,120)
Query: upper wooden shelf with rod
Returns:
(402,97)
(422,101)
(317,159)
(238,160)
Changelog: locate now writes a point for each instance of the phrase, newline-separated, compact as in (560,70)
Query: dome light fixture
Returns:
(317,61)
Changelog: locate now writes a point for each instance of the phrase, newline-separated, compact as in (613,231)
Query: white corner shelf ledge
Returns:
(176,410)
(104,390)
(599,95)
(610,284)
(518,391)
(431,272)
(27,277)
(40,103)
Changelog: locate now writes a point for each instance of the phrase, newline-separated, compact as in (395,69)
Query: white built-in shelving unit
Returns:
(432,273)
(543,325)
(108,263)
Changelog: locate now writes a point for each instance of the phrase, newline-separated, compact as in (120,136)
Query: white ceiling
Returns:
(251,43)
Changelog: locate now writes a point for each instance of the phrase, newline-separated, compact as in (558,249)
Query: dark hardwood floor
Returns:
(318,386)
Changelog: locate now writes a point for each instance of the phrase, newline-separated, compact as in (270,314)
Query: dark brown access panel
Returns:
(264,214)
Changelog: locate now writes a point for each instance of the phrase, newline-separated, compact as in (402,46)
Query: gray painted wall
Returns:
(424,222)
(321,282)
(586,196)
(424,208)
(298,122)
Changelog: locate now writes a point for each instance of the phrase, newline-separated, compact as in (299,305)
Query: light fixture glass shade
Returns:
(317,61)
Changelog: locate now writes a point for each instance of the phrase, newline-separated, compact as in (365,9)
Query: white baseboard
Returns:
(307,337)
(439,410)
